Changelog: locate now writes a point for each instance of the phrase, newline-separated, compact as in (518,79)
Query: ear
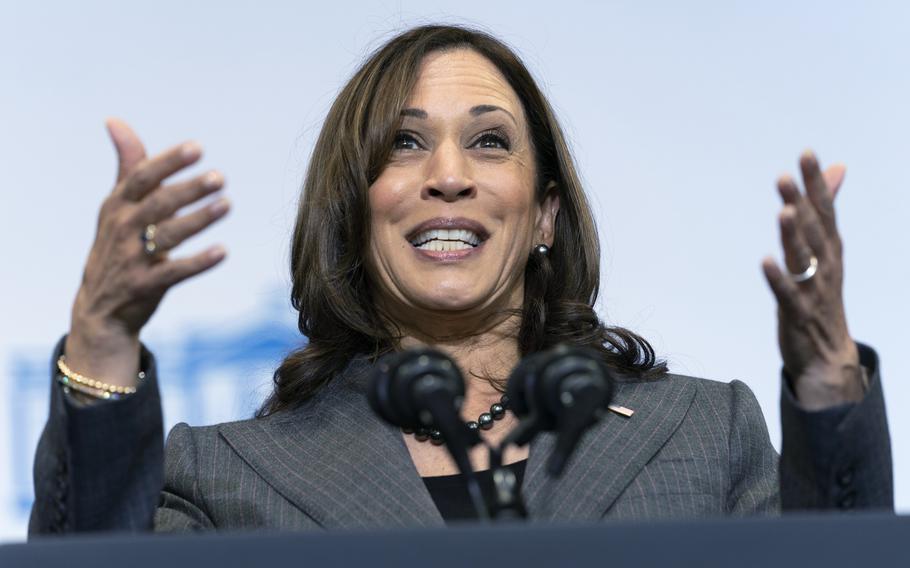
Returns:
(546,216)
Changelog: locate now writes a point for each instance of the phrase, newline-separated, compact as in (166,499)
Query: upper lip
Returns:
(450,223)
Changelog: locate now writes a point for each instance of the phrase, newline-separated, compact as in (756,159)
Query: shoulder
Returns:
(710,404)
(703,390)
(201,440)
(190,450)
(719,394)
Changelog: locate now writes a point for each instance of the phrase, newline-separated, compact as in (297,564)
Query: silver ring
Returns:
(148,239)
(808,273)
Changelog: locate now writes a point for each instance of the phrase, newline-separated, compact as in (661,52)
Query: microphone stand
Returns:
(459,437)
(508,505)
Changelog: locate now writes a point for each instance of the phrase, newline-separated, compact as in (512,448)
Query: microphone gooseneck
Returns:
(565,390)
(423,388)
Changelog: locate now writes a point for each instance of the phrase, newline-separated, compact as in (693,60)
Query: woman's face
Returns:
(454,214)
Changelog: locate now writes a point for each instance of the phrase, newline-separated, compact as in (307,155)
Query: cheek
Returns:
(513,199)
(388,199)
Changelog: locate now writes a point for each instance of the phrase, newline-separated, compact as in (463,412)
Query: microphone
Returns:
(423,388)
(565,390)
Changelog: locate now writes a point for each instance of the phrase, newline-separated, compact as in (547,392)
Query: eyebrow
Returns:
(482,109)
(414,113)
(475,111)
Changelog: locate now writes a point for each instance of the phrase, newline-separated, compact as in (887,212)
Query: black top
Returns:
(450,492)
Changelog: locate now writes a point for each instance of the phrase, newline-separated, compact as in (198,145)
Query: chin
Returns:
(450,303)
(451,299)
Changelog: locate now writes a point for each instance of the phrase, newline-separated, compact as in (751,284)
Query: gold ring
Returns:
(148,239)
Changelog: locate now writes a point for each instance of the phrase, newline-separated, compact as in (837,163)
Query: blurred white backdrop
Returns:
(681,116)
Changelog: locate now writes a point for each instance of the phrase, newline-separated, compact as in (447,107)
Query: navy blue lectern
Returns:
(857,541)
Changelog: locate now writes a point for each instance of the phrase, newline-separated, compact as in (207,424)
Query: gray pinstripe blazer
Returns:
(694,448)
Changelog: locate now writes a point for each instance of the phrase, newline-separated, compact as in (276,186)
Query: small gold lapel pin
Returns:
(621,410)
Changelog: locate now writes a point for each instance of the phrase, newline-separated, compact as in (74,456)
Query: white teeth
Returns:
(442,246)
(446,239)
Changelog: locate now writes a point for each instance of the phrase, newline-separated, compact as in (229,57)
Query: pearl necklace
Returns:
(484,422)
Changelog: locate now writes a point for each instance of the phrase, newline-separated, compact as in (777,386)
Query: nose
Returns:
(448,175)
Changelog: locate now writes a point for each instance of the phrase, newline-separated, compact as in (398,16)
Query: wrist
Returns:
(836,381)
(99,333)
(106,355)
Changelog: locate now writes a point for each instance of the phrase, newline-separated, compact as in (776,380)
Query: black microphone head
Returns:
(574,370)
(523,384)
(544,384)
(399,380)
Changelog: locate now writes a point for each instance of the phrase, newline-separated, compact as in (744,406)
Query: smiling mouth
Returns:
(448,238)
(443,240)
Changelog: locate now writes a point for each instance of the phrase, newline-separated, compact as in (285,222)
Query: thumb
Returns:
(130,150)
(834,178)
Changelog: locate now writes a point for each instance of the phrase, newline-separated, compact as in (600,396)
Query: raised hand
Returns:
(818,352)
(129,270)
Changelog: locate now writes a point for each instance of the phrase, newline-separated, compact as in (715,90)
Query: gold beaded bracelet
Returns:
(69,386)
(91,387)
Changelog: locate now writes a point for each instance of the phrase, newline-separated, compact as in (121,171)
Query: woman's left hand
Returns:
(818,352)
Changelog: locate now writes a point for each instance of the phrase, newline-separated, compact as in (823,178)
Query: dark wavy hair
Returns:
(331,287)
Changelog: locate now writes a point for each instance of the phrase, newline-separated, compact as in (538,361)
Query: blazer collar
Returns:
(346,468)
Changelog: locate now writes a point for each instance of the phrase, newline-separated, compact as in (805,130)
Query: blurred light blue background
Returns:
(681,116)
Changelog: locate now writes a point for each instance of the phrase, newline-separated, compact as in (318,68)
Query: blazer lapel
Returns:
(609,456)
(336,461)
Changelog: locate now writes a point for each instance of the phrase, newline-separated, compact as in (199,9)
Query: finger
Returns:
(834,178)
(788,190)
(174,231)
(796,250)
(783,287)
(130,150)
(817,190)
(807,218)
(169,199)
(149,174)
(167,274)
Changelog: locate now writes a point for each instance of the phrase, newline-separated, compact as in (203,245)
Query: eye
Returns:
(405,141)
(492,140)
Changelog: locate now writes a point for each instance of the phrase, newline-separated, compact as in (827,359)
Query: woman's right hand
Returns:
(123,284)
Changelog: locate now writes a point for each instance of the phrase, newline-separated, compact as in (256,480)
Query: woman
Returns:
(441,208)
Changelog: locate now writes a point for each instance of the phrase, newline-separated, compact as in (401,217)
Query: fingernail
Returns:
(220,206)
(190,150)
(212,180)
(217,252)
